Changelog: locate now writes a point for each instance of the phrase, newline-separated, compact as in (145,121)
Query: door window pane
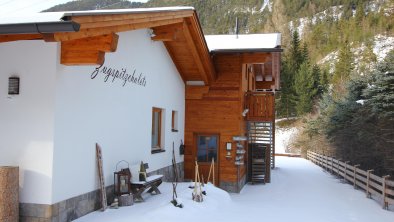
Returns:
(207,148)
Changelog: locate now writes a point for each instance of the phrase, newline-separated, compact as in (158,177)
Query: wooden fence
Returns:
(366,180)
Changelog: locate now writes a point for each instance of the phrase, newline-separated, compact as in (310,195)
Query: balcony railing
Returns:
(261,106)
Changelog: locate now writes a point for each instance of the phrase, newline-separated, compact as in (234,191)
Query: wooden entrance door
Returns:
(207,149)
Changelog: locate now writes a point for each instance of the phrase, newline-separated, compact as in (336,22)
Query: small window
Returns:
(174,121)
(157,125)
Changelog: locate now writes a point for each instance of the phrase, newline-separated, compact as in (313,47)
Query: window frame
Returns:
(174,121)
(157,148)
(207,149)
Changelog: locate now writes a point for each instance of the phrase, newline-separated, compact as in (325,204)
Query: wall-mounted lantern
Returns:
(13,85)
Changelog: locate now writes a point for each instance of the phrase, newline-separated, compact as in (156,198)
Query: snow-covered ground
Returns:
(283,138)
(299,192)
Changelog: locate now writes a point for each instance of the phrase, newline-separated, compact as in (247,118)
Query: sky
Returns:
(20,7)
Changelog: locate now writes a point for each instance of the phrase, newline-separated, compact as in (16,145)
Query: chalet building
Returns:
(138,82)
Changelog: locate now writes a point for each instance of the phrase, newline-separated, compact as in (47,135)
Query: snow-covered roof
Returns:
(263,42)
(44,17)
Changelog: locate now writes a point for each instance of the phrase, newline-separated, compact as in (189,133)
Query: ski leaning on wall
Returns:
(103,194)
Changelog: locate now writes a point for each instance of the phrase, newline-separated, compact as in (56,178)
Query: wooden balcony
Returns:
(261,106)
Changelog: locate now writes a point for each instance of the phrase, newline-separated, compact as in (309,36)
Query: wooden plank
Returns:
(130,16)
(169,33)
(374,192)
(105,43)
(119,22)
(362,172)
(361,178)
(361,185)
(196,92)
(389,191)
(81,57)
(196,56)
(103,192)
(84,33)
(390,200)
(375,185)
(376,178)
(17,37)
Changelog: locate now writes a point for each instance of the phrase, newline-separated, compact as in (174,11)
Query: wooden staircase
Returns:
(259,166)
(263,132)
(261,143)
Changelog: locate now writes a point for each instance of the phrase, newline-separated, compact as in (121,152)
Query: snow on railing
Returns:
(372,184)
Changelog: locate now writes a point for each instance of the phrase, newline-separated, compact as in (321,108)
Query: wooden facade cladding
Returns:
(261,106)
(217,109)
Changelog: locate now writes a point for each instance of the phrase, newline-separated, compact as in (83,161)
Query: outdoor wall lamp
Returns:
(13,85)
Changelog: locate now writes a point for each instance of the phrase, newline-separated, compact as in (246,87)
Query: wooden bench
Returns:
(152,182)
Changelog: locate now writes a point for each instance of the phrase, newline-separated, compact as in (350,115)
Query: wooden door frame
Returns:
(194,152)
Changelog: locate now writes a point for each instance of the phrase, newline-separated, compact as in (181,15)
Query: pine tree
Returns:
(380,94)
(305,88)
(343,69)
(296,57)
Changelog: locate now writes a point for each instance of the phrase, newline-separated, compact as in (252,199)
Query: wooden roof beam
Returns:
(88,51)
(205,51)
(116,21)
(84,33)
(105,43)
(168,33)
(17,37)
(77,57)
(193,49)
(136,16)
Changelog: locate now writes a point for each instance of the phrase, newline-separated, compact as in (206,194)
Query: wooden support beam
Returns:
(193,50)
(196,92)
(90,32)
(168,33)
(256,57)
(104,43)
(117,22)
(70,57)
(17,37)
(204,49)
(148,16)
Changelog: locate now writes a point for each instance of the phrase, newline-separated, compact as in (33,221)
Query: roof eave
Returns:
(217,51)
(39,28)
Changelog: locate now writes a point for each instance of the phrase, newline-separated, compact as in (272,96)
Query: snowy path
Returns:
(299,192)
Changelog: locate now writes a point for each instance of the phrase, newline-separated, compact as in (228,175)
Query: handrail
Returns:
(372,184)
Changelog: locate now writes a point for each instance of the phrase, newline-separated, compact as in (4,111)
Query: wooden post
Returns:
(368,178)
(354,176)
(345,175)
(384,185)
(103,192)
(213,171)
(332,165)
(338,168)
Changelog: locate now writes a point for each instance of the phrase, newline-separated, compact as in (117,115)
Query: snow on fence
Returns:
(372,184)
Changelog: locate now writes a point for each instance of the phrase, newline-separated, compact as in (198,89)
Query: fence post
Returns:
(345,173)
(354,175)
(368,177)
(332,165)
(339,175)
(384,185)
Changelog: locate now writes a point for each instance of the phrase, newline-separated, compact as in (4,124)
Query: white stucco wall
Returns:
(27,119)
(117,117)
